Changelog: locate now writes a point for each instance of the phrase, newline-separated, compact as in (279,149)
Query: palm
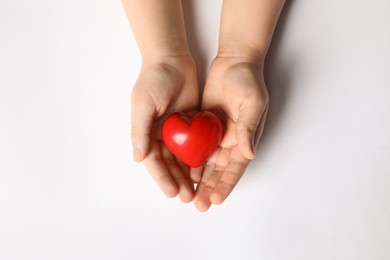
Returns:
(234,90)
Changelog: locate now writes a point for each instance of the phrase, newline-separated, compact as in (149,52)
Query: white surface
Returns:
(319,188)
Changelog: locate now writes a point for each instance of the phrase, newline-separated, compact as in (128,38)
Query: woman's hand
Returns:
(165,85)
(235,90)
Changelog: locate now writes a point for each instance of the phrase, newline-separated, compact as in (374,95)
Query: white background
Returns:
(319,188)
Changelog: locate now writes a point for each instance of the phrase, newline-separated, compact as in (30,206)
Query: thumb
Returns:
(142,116)
(247,124)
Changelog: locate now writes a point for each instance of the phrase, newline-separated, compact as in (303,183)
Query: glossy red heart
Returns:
(192,141)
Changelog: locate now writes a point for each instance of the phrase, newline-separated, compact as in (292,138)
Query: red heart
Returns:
(192,142)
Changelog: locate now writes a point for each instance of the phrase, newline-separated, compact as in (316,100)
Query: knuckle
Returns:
(155,157)
(251,127)
(162,179)
(208,188)
(170,160)
(227,187)
(246,127)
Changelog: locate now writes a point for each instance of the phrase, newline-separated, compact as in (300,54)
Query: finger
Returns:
(183,182)
(196,174)
(183,168)
(260,128)
(202,199)
(230,177)
(142,116)
(156,167)
(205,188)
(247,123)
(211,175)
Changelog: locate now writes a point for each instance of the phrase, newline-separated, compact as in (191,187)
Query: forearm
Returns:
(247,27)
(158,27)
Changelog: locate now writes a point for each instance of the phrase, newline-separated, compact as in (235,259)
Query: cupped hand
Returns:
(164,85)
(236,91)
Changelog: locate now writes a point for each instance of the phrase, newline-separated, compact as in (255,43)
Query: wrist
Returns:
(177,58)
(166,48)
(180,63)
(229,57)
(238,49)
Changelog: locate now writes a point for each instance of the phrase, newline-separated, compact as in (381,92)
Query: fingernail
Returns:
(137,155)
